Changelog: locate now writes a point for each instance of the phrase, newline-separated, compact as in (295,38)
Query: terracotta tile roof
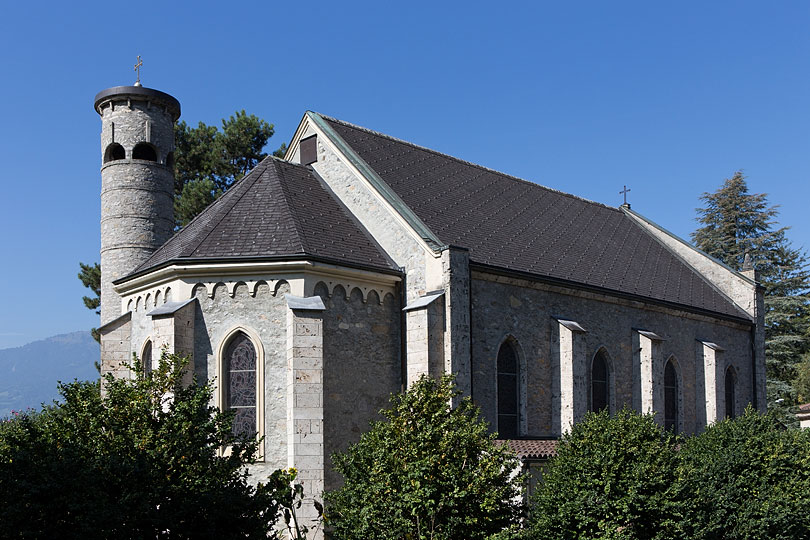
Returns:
(279,210)
(516,225)
(532,448)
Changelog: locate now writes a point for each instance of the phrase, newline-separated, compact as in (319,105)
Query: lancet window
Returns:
(239,373)
(600,382)
(508,386)
(671,397)
(731,393)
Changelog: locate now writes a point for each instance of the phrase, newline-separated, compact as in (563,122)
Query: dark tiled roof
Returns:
(520,226)
(532,448)
(278,210)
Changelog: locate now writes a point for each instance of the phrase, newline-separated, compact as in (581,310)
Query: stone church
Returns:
(320,284)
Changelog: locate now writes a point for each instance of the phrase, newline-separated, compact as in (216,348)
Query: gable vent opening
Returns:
(309,150)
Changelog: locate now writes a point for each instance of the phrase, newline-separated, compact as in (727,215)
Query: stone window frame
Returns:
(256,341)
(679,380)
(148,342)
(522,365)
(611,386)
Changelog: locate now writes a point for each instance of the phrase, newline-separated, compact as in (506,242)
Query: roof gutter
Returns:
(607,292)
(248,264)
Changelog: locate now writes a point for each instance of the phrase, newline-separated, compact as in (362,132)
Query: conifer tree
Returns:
(736,223)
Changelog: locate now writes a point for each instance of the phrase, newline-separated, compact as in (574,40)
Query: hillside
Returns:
(28,374)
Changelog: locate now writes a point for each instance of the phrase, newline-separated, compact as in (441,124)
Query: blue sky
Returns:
(585,97)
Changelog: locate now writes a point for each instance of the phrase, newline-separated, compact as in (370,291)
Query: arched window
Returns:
(670,397)
(144,151)
(239,383)
(508,372)
(600,382)
(731,393)
(146,357)
(170,160)
(114,152)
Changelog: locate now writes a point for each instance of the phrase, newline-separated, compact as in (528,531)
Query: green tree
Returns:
(802,381)
(736,223)
(745,478)
(141,460)
(90,276)
(208,161)
(428,470)
(611,479)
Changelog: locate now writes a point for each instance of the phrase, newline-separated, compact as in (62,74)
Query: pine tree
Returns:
(736,223)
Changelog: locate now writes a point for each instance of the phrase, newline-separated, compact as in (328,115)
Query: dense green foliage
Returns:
(428,470)
(143,460)
(735,223)
(745,478)
(802,382)
(612,479)
(208,161)
(624,477)
(90,276)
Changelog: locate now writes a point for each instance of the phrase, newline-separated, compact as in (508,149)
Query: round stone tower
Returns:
(137,181)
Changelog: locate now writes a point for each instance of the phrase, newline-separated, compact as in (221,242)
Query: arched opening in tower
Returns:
(144,151)
(114,152)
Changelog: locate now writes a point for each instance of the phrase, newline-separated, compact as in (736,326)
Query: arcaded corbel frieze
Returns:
(348,287)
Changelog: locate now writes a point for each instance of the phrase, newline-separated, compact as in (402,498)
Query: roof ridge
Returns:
(188,228)
(464,161)
(290,207)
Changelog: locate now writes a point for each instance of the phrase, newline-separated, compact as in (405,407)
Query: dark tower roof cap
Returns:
(140,93)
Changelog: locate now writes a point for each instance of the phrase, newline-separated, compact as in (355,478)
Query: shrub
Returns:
(428,470)
(611,479)
(745,478)
(133,464)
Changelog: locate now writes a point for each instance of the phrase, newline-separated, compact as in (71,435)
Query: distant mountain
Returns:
(28,374)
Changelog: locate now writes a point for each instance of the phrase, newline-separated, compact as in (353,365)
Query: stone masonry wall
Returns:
(386,229)
(362,367)
(266,316)
(137,213)
(116,348)
(510,307)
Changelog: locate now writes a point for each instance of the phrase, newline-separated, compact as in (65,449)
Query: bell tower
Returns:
(137,181)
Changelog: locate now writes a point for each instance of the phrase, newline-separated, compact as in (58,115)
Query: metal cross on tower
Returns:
(624,192)
(138,65)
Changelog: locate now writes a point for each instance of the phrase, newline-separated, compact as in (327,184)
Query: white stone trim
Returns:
(423,301)
(302,276)
(711,382)
(737,287)
(307,126)
(569,384)
(257,343)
